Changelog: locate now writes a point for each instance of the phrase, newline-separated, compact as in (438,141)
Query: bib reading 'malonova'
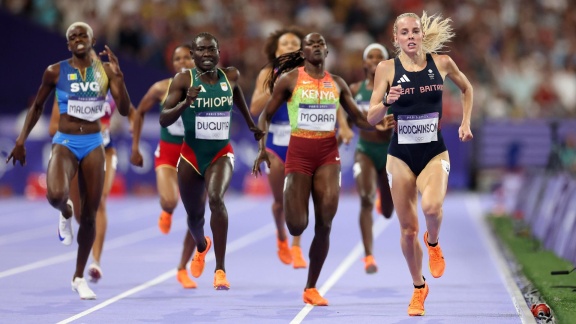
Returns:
(82,93)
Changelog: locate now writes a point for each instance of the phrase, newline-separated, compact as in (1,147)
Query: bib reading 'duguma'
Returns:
(208,119)
(213,125)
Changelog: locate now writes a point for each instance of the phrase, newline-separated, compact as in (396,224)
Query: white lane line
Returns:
(49,230)
(118,242)
(115,243)
(477,214)
(242,242)
(350,259)
(29,234)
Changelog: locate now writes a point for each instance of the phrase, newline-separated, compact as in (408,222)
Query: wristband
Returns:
(384,101)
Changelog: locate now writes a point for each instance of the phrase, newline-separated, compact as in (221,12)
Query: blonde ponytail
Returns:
(437,31)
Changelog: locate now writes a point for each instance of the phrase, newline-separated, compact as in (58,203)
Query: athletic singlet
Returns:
(82,94)
(312,107)
(419,108)
(207,120)
(362,98)
(175,132)
(417,138)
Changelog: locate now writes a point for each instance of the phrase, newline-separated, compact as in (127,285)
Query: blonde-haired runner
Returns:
(410,87)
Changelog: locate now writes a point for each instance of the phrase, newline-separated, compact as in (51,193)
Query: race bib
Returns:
(106,136)
(213,125)
(416,129)
(89,109)
(176,129)
(317,117)
(281,134)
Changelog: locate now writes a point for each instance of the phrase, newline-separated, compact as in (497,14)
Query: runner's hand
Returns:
(262,157)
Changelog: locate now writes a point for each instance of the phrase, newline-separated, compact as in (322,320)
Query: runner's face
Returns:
(288,43)
(206,53)
(374,57)
(182,59)
(79,42)
(315,49)
(409,34)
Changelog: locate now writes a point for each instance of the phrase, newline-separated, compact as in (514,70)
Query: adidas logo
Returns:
(403,79)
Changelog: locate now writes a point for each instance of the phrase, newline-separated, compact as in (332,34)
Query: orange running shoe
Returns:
(298,258)
(436,263)
(284,251)
(312,296)
(416,306)
(220,282)
(187,283)
(165,222)
(197,264)
(370,264)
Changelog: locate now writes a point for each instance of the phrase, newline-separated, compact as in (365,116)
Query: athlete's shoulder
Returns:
(386,64)
(162,85)
(231,72)
(338,79)
(53,71)
(291,75)
(159,88)
(443,62)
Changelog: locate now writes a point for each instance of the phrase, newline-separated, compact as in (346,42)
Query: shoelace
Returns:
(417,299)
(436,253)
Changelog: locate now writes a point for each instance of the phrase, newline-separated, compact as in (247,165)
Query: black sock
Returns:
(432,245)
(421,286)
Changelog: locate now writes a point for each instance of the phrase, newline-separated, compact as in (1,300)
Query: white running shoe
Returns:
(94,272)
(65,234)
(80,286)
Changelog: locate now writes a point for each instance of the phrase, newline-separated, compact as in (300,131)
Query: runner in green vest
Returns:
(204,97)
(370,158)
(166,157)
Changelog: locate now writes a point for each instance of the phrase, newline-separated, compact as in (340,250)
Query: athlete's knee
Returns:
(366,201)
(168,203)
(432,208)
(296,226)
(387,211)
(88,221)
(323,228)
(409,232)
(56,197)
(195,221)
(216,202)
